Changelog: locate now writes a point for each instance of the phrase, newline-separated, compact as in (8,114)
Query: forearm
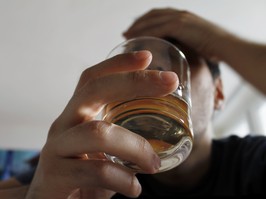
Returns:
(245,57)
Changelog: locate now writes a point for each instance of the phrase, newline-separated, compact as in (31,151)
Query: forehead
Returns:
(200,69)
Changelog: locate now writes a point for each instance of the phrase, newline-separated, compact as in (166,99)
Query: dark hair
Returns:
(192,57)
(214,68)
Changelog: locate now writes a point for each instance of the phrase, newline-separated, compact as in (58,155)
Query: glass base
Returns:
(181,152)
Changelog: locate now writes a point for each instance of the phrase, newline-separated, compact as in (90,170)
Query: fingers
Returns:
(150,16)
(94,176)
(138,60)
(87,179)
(158,23)
(91,137)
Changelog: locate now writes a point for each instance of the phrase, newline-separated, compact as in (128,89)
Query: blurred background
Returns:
(46,44)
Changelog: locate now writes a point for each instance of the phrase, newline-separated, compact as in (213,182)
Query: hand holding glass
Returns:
(164,121)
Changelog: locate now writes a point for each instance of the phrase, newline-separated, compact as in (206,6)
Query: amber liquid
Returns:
(164,122)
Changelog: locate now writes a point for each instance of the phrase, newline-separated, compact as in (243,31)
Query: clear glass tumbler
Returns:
(164,121)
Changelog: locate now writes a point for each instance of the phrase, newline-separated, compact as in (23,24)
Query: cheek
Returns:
(202,105)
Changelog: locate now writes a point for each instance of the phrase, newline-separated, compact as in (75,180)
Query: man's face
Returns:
(202,84)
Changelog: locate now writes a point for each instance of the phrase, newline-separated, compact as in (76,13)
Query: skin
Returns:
(71,164)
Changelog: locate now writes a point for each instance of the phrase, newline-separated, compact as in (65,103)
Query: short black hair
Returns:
(214,68)
(192,57)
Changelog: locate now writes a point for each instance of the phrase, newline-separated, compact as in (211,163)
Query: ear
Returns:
(218,94)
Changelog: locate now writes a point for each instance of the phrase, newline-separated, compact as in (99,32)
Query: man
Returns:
(71,164)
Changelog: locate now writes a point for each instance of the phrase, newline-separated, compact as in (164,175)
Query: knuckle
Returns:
(154,10)
(137,76)
(86,73)
(101,129)
(184,12)
(54,127)
(104,170)
(184,16)
(130,183)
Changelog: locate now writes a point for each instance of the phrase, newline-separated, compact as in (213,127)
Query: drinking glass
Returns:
(164,121)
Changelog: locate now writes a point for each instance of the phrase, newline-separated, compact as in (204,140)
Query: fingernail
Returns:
(168,77)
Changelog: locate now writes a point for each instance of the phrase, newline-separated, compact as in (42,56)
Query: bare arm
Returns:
(209,40)
(245,57)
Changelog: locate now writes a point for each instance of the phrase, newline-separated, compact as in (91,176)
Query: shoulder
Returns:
(240,163)
(250,149)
